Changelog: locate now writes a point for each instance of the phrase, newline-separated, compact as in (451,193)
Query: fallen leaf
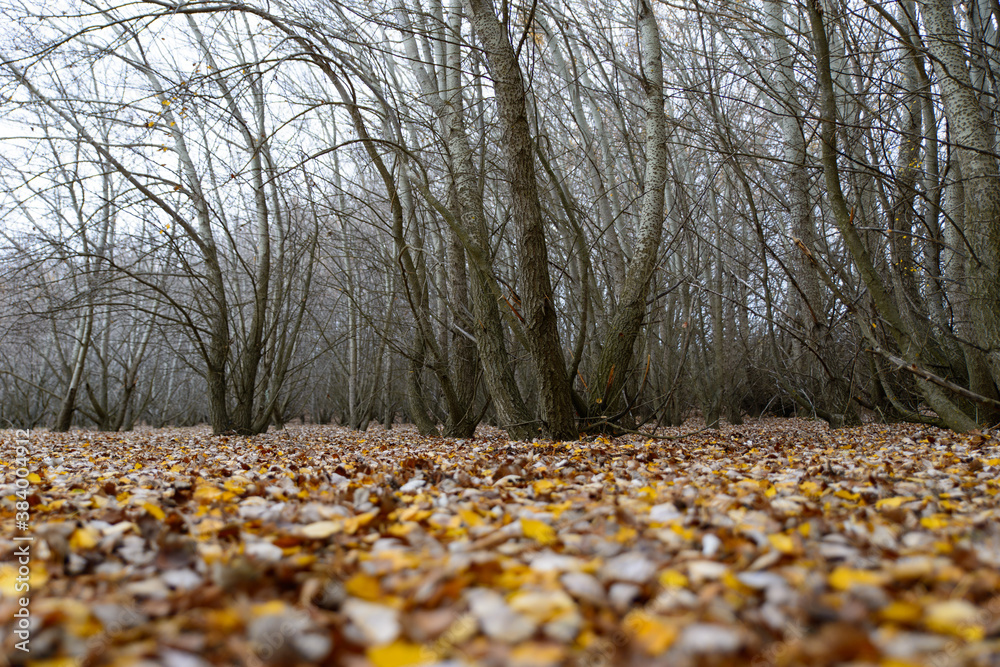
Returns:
(539,531)
(320,530)
(399,654)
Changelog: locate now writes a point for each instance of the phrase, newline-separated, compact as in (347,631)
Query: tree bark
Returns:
(538,306)
(615,362)
(887,308)
(979,170)
(498,370)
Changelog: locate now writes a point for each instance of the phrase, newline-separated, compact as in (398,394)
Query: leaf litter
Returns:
(779,542)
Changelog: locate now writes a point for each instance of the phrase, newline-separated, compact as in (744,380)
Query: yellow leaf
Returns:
(34,478)
(209,525)
(206,493)
(647,492)
(625,534)
(893,503)
(954,617)
(401,529)
(515,577)
(542,606)
(847,495)
(686,533)
(269,608)
(399,560)
(810,488)
(844,578)
(783,543)
(223,620)
(470,517)
(363,586)
(543,486)
(83,538)
(54,662)
(302,560)
(586,639)
(352,524)
(8,581)
(233,486)
(539,531)
(400,654)
(901,612)
(154,511)
(415,514)
(935,521)
(320,530)
(536,654)
(733,582)
(673,579)
(652,634)
(558,508)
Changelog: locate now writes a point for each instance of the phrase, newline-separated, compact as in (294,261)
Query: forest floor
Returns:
(779,542)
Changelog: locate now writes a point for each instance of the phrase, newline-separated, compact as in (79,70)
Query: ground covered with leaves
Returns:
(779,542)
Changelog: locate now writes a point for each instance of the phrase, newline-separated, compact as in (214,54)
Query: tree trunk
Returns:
(538,307)
(498,369)
(910,351)
(615,362)
(82,345)
(979,165)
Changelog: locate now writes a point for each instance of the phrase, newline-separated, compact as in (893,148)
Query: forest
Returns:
(500,333)
(550,217)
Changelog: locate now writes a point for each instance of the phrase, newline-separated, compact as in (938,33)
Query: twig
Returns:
(936,379)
